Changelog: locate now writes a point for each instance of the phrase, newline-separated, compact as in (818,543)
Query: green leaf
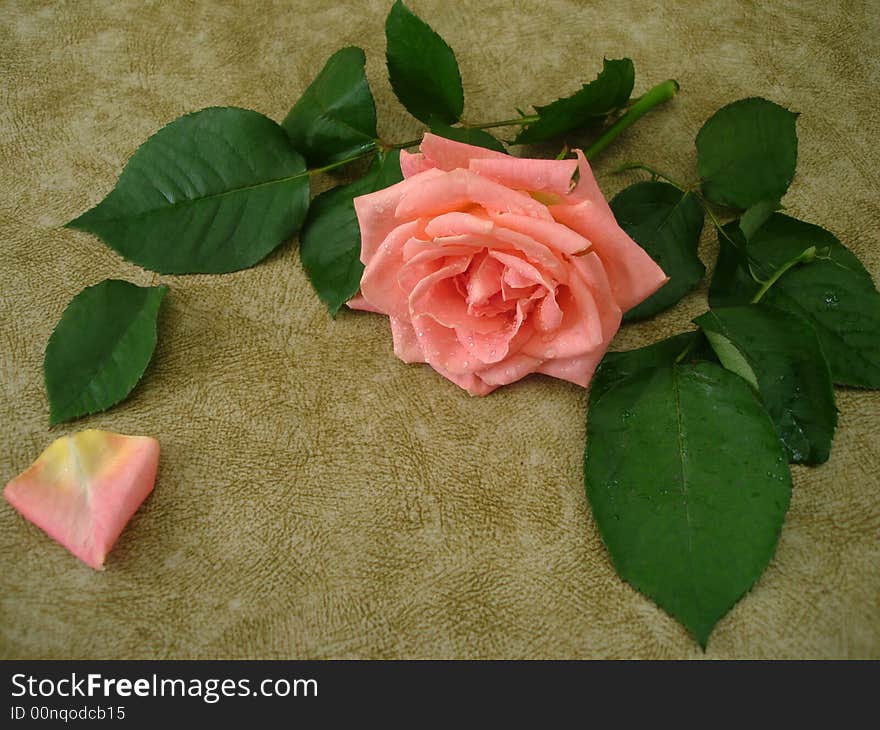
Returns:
(212,192)
(609,91)
(688,484)
(783,360)
(468,135)
(687,347)
(755,217)
(834,293)
(422,68)
(732,281)
(330,244)
(747,153)
(335,118)
(100,347)
(666,223)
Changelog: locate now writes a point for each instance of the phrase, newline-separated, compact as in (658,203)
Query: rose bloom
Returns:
(491,267)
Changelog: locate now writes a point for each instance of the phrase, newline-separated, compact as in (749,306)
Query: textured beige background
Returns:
(318,498)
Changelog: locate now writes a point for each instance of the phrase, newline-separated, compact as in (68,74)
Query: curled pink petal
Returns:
(549,176)
(412,163)
(457,223)
(447,154)
(550,233)
(460,189)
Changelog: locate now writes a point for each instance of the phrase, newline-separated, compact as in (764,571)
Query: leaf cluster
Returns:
(689,439)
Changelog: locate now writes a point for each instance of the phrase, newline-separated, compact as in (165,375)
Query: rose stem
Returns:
(657,95)
(805,257)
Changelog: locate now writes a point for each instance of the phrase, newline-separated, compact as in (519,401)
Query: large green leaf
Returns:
(100,347)
(667,224)
(834,293)
(688,484)
(609,91)
(779,354)
(468,135)
(422,68)
(747,153)
(618,366)
(330,244)
(211,192)
(335,118)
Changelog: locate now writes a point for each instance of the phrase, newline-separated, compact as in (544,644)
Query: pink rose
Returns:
(491,267)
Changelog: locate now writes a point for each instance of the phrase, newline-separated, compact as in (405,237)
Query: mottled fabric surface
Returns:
(317,497)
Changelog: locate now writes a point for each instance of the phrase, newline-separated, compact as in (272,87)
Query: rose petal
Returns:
(375,212)
(633,274)
(520,173)
(444,193)
(379,285)
(448,154)
(428,261)
(470,382)
(593,272)
(549,233)
(578,370)
(527,273)
(358,302)
(492,347)
(438,297)
(406,343)
(485,281)
(441,347)
(509,370)
(412,163)
(587,317)
(549,315)
(458,223)
(83,489)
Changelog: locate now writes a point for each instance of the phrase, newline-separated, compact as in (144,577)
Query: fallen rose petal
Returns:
(83,489)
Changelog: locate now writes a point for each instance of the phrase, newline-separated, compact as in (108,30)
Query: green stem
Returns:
(641,106)
(403,145)
(657,95)
(687,350)
(333,165)
(654,173)
(520,121)
(714,219)
(805,257)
